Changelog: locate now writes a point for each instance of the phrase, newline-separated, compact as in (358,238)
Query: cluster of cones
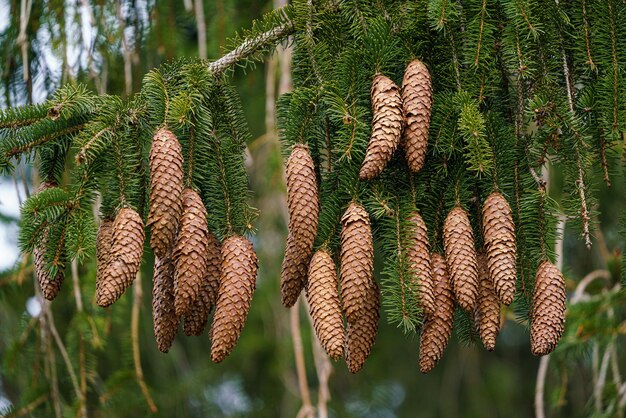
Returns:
(401,117)
(479,282)
(316,273)
(193,271)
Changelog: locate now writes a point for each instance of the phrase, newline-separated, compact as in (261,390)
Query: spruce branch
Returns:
(250,46)
(587,31)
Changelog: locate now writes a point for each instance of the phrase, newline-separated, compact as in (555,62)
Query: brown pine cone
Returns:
(164,315)
(124,257)
(386,127)
(50,286)
(487,312)
(166,186)
(458,240)
(191,252)
(323,298)
(357,260)
(104,239)
(237,284)
(499,234)
(416,106)
(303,204)
(438,328)
(418,256)
(548,315)
(362,334)
(196,320)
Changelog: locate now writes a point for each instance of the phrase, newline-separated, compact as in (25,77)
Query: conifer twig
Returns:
(250,46)
(81,342)
(134,331)
(63,350)
(306,410)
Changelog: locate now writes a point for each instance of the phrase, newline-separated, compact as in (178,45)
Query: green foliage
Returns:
(523,89)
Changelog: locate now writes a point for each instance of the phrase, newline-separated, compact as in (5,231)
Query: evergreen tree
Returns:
(509,92)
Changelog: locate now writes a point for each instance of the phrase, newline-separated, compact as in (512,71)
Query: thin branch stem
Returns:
(81,343)
(540,385)
(134,331)
(250,46)
(64,354)
(307,408)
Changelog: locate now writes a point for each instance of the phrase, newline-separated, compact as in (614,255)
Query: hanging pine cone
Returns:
(362,334)
(164,315)
(487,312)
(357,260)
(324,307)
(303,204)
(386,127)
(458,240)
(418,256)
(197,318)
(548,315)
(499,234)
(50,286)
(124,257)
(166,186)
(438,328)
(237,283)
(191,252)
(416,106)
(104,239)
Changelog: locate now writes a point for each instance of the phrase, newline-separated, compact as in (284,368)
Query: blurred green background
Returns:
(110,46)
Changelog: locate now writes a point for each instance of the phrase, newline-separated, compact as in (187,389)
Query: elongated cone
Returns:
(197,318)
(416,106)
(386,127)
(458,240)
(323,297)
(361,335)
(191,253)
(499,234)
(418,256)
(104,239)
(237,284)
(50,286)
(124,257)
(303,205)
(164,315)
(438,328)
(357,260)
(548,316)
(487,312)
(166,187)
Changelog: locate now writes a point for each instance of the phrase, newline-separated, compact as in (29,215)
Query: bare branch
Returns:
(250,46)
